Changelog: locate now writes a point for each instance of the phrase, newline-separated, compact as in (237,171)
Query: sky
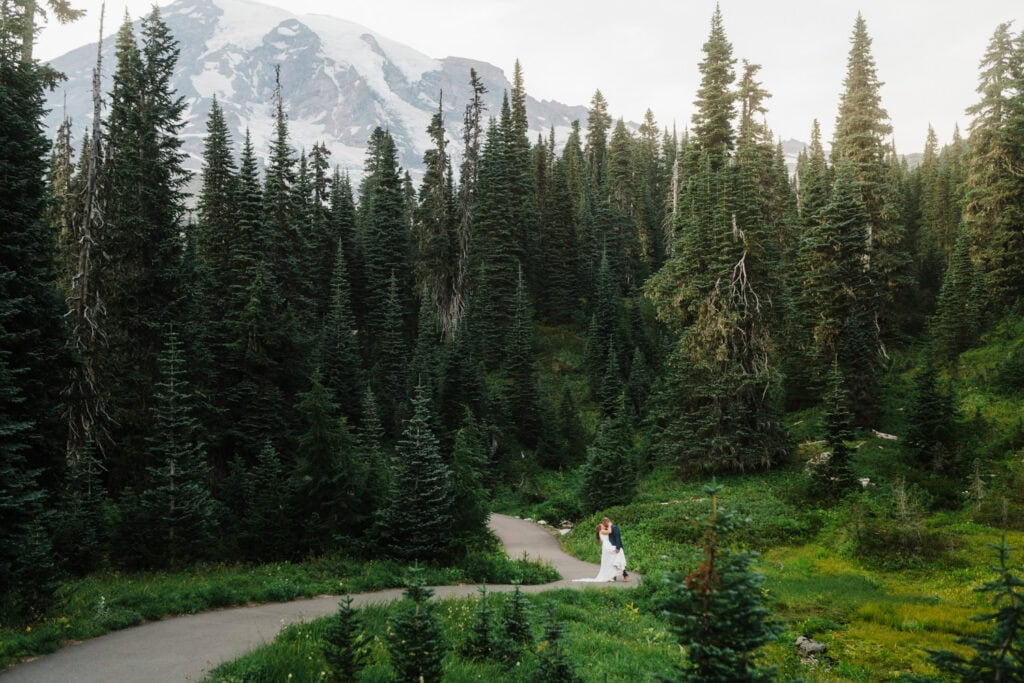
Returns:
(645,54)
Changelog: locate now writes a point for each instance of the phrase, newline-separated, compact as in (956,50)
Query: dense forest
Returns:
(294,361)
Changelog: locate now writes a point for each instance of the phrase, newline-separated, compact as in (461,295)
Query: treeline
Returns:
(305,364)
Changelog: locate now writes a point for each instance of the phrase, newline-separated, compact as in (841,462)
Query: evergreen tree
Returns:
(994,201)
(481,643)
(390,370)
(176,516)
(715,103)
(266,514)
(524,393)
(834,475)
(860,129)
(415,640)
(326,474)
(435,227)
(141,278)
(342,642)
(555,664)
(952,327)
(386,239)
(340,362)
(717,612)
(470,498)
(574,439)
(80,534)
(999,653)
(932,433)
(609,473)
(30,306)
(418,513)
(842,295)
(514,629)
(26,571)
(469,176)
(560,295)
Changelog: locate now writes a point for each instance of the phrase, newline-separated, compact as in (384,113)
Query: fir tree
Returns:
(523,397)
(555,664)
(469,176)
(80,534)
(267,511)
(340,362)
(141,278)
(481,643)
(835,476)
(26,572)
(390,371)
(326,475)
(30,306)
(514,629)
(715,105)
(609,473)
(176,511)
(342,641)
(999,653)
(418,512)
(717,612)
(435,222)
(470,498)
(994,201)
(932,433)
(560,295)
(415,640)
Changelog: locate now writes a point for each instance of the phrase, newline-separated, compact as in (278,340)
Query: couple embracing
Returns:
(613,558)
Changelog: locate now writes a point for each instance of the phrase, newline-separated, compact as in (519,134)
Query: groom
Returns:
(615,538)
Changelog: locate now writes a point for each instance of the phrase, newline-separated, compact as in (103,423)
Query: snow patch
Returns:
(210,81)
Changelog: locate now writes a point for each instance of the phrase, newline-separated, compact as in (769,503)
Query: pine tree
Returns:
(176,511)
(340,362)
(415,640)
(386,238)
(390,371)
(470,498)
(141,278)
(80,534)
(574,439)
(342,642)
(998,654)
(435,223)
(418,513)
(609,473)
(555,664)
(26,585)
(30,303)
(860,129)
(514,629)
(267,513)
(524,393)
(952,329)
(717,612)
(481,643)
(835,476)
(469,176)
(715,105)
(560,295)
(932,433)
(326,475)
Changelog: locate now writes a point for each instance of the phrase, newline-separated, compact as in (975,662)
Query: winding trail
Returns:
(186,648)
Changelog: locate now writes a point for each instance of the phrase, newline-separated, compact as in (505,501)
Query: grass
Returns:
(608,637)
(94,605)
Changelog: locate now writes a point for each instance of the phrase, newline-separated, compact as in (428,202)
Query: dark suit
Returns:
(615,538)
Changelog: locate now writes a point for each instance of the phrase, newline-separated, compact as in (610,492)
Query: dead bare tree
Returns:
(87,410)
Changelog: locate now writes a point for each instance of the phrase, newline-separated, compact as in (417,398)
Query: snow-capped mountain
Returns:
(339,80)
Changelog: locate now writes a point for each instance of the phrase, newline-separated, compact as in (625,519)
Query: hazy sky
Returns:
(645,53)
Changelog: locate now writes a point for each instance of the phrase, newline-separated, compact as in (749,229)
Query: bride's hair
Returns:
(600,527)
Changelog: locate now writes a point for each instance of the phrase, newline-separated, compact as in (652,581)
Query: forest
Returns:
(297,364)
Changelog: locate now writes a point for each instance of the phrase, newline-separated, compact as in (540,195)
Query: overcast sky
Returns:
(644,54)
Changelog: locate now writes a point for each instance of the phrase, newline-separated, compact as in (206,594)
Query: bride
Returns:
(612,563)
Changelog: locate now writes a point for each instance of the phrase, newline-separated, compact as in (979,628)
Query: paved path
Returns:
(187,648)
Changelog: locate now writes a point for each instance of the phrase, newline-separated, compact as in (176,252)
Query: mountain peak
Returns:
(339,80)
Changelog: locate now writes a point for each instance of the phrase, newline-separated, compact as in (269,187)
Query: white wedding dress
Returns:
(612,563)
